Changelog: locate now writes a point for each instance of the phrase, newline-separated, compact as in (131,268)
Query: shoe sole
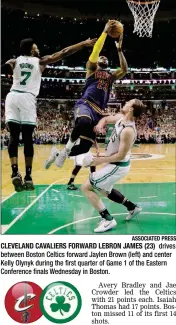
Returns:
(133,216)
(49,162)
(59,164)
(28,186)
(18,185)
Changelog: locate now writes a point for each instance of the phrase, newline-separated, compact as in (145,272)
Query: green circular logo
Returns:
(60,302)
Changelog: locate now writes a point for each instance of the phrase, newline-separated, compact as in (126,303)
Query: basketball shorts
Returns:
(82,108)
(20,108)
(105,178)
(78,160)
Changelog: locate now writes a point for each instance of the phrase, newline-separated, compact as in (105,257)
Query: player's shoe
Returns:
(61,157)
(72,187)
(28,184)
(53,154)
(17,182)
(133,213)
(105,225)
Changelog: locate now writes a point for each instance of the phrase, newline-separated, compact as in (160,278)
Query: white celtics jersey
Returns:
(114,141)
(27,75)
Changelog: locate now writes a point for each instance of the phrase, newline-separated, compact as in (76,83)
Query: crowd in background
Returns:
(54,33)
(55,123)
(72,87)
(63,81)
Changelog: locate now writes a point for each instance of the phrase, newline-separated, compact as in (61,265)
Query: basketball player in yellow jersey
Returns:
(20,106)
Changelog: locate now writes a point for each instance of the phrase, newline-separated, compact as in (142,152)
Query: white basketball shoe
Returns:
(105,225)
(53,155)
(133,213)
(60,159)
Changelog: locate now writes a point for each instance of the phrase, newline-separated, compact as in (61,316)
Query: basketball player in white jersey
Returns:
(20,106)
(117,164)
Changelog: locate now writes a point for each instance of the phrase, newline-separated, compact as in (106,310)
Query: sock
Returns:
(105,215)
(74,173)
(118,197)
(28,170)
(128,204)
(92,169)
(14,169)
(69,145)
(71,180)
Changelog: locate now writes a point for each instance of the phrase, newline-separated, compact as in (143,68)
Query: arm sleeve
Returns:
(6,69)
(97,48)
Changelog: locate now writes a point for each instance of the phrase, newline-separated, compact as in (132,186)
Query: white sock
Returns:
(69,145)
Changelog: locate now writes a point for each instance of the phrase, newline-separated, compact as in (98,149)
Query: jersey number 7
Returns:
(25,74)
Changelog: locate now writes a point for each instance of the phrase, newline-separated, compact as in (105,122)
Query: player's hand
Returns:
(90,42)
(97,161)
(119,43)
(109,26)
(100,129)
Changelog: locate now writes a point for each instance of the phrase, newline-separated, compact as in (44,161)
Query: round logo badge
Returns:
(22,302)
(60,302)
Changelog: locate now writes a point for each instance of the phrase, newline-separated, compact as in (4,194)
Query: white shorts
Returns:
(105,178)
(20,108)
(78,160)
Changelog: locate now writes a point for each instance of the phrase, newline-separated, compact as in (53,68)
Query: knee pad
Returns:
(82,127)
(87,129)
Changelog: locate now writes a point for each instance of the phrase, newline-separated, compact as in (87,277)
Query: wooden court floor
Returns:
(52,209)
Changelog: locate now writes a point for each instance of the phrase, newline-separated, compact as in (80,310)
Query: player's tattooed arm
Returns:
(8,67)
(122,71)
(66,52)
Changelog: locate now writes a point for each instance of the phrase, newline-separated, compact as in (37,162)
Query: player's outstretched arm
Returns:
(122,71)
(66,52)
(8,67)
(93,59)
(111,119)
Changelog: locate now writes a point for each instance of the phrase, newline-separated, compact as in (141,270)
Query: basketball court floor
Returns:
(52,209)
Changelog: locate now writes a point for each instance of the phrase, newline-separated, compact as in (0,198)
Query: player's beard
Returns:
(37,55)
(102,65)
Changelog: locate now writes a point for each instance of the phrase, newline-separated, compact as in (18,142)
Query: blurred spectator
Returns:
(55,123)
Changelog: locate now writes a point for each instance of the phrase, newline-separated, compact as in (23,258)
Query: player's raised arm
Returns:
(111,119)
(93,59)
(8,67)
(122,71)
(66,52)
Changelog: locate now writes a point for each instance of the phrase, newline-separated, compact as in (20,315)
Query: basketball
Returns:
(116,30)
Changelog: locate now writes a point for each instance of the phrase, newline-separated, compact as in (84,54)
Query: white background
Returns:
(85,283)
